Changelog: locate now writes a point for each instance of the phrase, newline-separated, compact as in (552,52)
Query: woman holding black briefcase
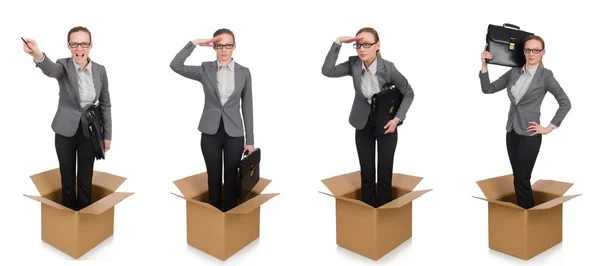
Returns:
(527,85)
(227,85)
(371,74)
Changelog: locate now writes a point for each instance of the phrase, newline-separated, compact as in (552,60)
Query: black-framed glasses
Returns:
(220,46)
(82,44)
(365,45)
(535,51)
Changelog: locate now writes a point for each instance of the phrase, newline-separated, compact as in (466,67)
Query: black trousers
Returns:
(386,148)
(522,152)
(76,161)
(222,152)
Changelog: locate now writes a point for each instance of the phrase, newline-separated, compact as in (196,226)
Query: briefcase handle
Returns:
(511,26)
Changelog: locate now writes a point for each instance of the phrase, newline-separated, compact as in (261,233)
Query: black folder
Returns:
(95,128)
(248,173)
(384,106)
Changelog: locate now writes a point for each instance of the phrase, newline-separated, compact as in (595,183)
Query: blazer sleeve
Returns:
(49,68)
(407,92)
(177,64)
(564,104)
(329,68)
(496,86)
(247,110)
(105,106)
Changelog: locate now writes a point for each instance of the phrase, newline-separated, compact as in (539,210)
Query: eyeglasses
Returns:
(365,45)
(82,44)
(535,51)
(220,46)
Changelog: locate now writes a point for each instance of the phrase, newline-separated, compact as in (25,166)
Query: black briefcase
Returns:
(384,106)
(95,129)
(506,44)
(248,173)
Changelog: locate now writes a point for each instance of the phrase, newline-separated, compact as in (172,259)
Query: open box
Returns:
(77,232)
(524,233)
(372,232)
(220,234)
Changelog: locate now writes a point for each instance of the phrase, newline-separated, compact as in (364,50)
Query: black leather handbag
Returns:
(506,44)
(384,106)
(95,129)
(248,173)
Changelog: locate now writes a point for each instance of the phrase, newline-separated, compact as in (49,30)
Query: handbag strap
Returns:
(508,25)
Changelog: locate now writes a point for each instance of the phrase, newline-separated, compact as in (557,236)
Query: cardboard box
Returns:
(519,232)
(77,232)
(372,232)
(220,234)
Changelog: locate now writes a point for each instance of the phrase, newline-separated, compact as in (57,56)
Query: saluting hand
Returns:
(348,39)
(31,48)
(206,42)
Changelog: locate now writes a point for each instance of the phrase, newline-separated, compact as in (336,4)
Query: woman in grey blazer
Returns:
(82,83)
(370,72)
(527,87)
(227,85)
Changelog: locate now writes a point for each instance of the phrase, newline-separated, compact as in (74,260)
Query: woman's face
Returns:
(224,47)
(531,48)
(368,48)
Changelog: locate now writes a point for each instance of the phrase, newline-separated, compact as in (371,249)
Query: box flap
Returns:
(192,186)
(405,182)
(342,184)
(507,204)
(497,187)
(252,203)
(553,203)
(107,181)
(405,199)
(261,185)
(47,182)
(104,204)
(200,203)
(552,187)
(357,202)
(48,202)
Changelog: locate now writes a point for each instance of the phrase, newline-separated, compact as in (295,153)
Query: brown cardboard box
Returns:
(372,232)
(519,232)
(77,232)
(220,234)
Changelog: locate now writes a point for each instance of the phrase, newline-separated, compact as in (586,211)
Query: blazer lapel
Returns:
(514,76)
(212,78)
(71,72)
(534,81)
(381,73)
(357,70)
(97,79)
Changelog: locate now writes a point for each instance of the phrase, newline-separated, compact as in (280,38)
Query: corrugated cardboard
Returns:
(372,232)
(77,232)
(519,232)
(220,234)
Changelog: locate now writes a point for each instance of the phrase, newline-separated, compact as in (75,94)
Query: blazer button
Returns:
(222,107)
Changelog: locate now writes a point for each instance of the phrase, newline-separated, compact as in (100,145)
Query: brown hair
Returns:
(537,38)
(224,31)
(375,34)
(76,29)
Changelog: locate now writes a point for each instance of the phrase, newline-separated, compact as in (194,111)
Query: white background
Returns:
(453,134)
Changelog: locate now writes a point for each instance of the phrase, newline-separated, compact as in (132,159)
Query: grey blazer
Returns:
(69,113)
(386,72)
(213,110)
(528,108)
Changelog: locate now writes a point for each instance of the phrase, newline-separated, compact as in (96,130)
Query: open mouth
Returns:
(79,56)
